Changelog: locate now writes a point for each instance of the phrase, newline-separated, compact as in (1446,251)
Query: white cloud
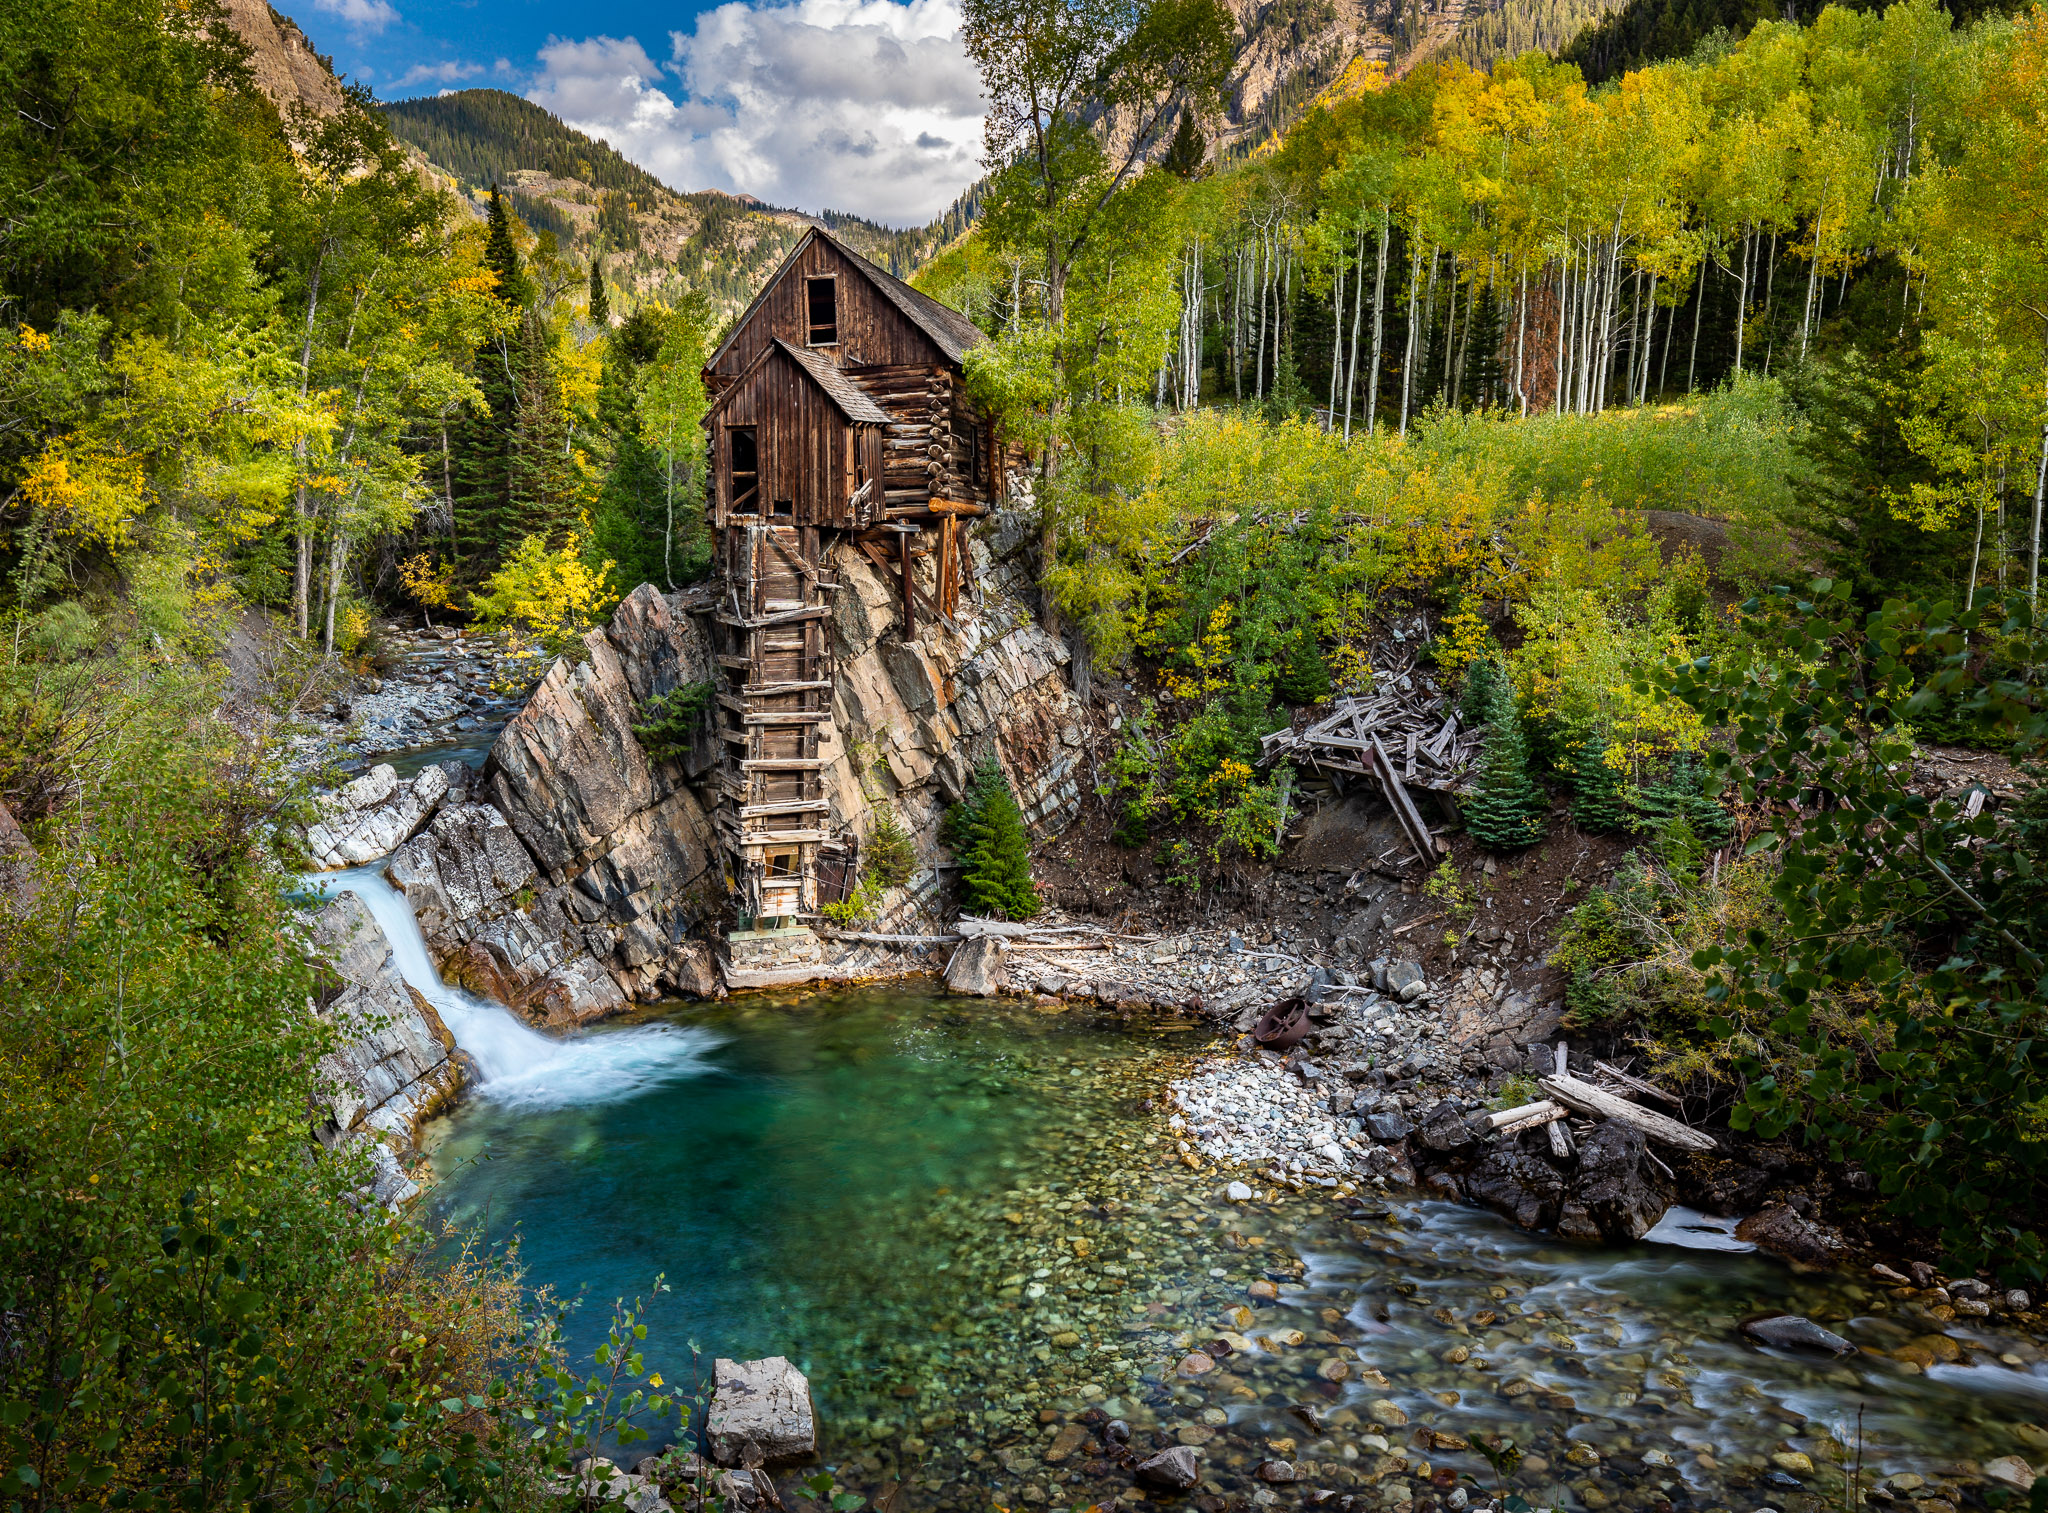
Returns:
(439,73)
(360,15)
(869,106)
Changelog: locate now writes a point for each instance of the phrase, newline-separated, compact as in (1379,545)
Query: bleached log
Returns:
(1516,1115)
(1637,1084)
(1588,1099)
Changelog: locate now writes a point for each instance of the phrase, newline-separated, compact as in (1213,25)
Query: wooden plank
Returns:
(752,838)
(766,690)
(965,507)
(1404,807)
(1588,1099)
(792,806)
(782,764)
(790,717)
(785,617)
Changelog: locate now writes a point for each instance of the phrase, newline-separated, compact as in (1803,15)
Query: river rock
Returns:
(2011,1470)
(392,1066)
(1388,1127)
(1444,1129)
(1793,1235)
(1614,1194)
(1172,1470)
(978,968)
(1791,1332)
(1517,1184)
(766,1403)
(369,817)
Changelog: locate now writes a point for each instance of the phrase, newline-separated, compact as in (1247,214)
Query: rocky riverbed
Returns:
(446,689)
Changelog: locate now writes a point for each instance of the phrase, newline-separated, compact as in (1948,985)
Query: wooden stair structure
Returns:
(774,714)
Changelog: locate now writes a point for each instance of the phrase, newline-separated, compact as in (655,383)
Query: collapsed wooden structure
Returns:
(1401,736)
(838,423)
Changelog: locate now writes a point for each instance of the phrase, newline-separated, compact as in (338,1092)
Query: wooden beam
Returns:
(1404,807)
(753,838)
(969,507)
(782,764)
(793,806)
(783,617)
(790,717)
(764,690)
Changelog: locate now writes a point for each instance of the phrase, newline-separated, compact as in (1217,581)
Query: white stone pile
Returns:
(1252,1111)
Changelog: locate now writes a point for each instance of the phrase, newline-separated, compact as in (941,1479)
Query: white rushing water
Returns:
(521,1066)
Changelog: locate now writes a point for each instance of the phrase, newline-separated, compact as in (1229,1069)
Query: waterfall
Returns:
(519,1065)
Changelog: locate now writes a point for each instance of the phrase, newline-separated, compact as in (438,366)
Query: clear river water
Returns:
(966,1222)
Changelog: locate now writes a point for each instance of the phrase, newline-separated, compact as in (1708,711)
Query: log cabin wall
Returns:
(810,455)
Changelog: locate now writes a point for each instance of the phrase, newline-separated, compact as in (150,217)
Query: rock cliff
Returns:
(577,873)
(396,1062)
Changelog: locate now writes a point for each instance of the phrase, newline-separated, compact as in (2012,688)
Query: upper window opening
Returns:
(821,304)
(745,457)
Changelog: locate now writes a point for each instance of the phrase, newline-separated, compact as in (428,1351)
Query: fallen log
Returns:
(872,938)
(1516,1115)
(1636,1084)
(1553,1115)
(1588,1099)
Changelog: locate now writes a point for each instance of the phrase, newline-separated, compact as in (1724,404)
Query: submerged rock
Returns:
(1174,1470)
(766,1403)
(1789,1331)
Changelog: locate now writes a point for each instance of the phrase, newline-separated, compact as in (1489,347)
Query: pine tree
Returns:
(1306,679)
(501,252)
(600,306)
(1186,154)
(1597,804)
(1508,811)
(987,829)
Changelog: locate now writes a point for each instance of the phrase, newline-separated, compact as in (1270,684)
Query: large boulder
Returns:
(977,968)
(369,817)
(629,858)
(766,1404)
(1518,1184)
(1616,1194)
(471,886)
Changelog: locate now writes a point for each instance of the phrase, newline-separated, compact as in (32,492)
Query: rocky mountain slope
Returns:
(596,202)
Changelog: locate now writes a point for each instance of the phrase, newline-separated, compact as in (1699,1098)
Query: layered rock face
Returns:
(395,1064)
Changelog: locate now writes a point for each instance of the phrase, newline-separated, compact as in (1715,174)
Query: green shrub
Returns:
(1681,794)
(1306,678)
(673,720)
(888,858)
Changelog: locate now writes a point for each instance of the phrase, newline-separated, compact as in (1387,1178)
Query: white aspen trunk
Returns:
(1265,278)
(1742,301)
(1522,343)
(1563,320)
(1379,289)
(1408,357)
(1357,323)
(334,560)
(1812,281)
(1649,340)
(1336,336)
(2040,490)
(1699,304)
(1770,283)
(1589,288)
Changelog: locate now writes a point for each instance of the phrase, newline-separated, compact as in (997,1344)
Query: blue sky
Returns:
(869,106)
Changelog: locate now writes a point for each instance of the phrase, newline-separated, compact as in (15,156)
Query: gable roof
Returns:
(839,387)
(843,391)
(950,331)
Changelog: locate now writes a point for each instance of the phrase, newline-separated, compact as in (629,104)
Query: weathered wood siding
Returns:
(810,454)
(871,330)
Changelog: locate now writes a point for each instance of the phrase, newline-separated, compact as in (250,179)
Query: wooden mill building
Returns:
(838,424)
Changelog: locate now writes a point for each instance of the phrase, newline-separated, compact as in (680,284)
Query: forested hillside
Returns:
(654,242)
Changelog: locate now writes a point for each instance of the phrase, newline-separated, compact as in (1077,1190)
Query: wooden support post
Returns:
(909,589)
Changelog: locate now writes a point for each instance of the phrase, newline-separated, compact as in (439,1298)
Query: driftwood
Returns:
(1588,1099)
(1636,1084)
(1508,1116)
(973,927)
(1534,1116)
(871,938)
(1436,753)
(1561,1140)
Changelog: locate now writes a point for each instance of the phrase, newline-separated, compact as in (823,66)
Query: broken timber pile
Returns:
(1401,737)
(1566,1094)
